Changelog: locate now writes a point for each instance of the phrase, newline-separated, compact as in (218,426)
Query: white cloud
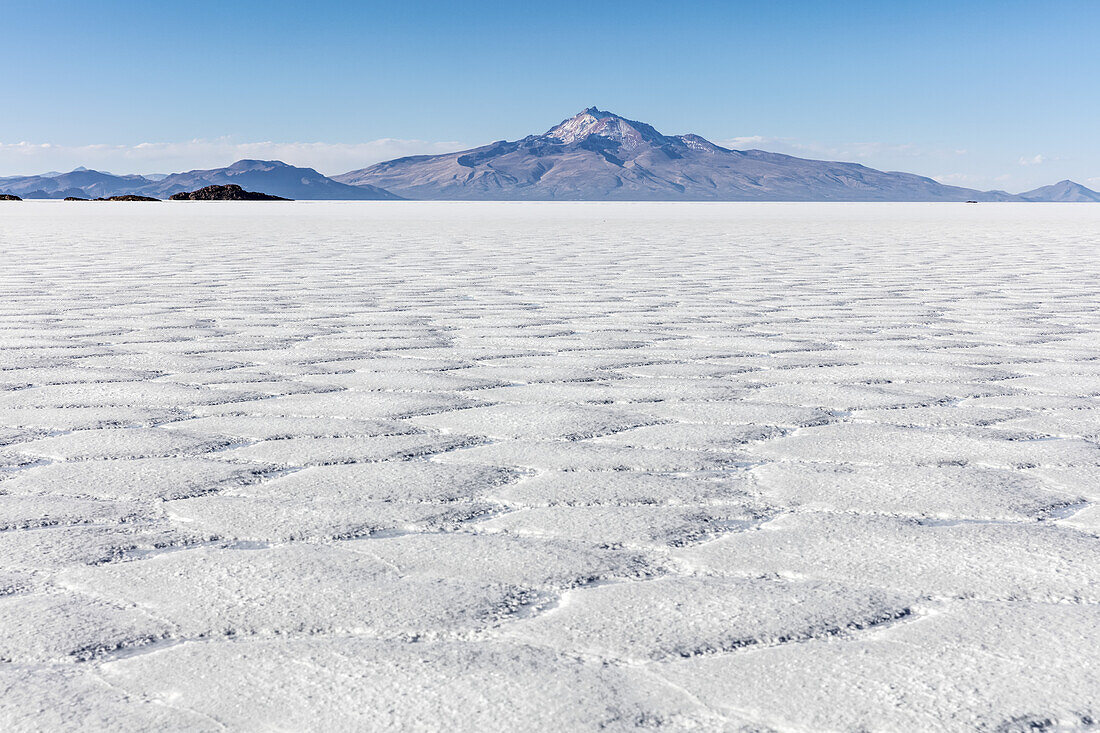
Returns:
(26,158)
(971,180)
(956,179)
(954,166)
(854,151)
(750,142)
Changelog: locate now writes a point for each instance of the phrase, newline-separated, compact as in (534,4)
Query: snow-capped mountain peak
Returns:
(578,127)
(593,121)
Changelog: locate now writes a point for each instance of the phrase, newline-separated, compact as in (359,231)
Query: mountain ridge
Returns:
(1065,191)
(599,155)
(595,155)
(270,176)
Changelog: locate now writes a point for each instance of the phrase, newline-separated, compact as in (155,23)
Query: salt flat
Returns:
(468,467)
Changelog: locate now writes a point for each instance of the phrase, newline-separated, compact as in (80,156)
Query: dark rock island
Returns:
(128,197)
(230,192)
(9,197)
(125,197)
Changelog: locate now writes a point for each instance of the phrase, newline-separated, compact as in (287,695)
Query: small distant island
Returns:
(125,197)
(9,197)
(128,197)
(229,192)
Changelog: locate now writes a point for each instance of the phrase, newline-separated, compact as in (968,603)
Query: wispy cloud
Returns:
(842,151)
(25,158)
(970,180)
(749,142)
(957,179)
(953,166)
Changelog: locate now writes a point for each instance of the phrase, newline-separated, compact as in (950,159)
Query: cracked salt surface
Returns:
(427,466)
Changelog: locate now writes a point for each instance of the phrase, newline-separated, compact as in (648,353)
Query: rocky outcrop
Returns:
(231,192)
(128,197)
(9,197)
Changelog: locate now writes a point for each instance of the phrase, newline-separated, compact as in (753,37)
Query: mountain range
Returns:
(592,156)
(269,176)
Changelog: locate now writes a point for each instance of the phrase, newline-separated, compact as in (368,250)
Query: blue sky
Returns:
(989,94)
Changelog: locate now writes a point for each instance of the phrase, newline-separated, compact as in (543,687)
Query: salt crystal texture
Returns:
(506,466)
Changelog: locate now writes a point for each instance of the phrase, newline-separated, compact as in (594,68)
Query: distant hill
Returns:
(270,176)
(1065,191)
(80,182)
(598,155)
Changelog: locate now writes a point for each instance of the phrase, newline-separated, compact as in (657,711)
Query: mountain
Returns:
(592,156)
(270,176)
(1066,191)
(598,155)
(80,182)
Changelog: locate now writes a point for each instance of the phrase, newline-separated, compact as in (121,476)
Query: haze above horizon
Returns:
(983,94)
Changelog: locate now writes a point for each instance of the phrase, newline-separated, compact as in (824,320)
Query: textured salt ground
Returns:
(549,467)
